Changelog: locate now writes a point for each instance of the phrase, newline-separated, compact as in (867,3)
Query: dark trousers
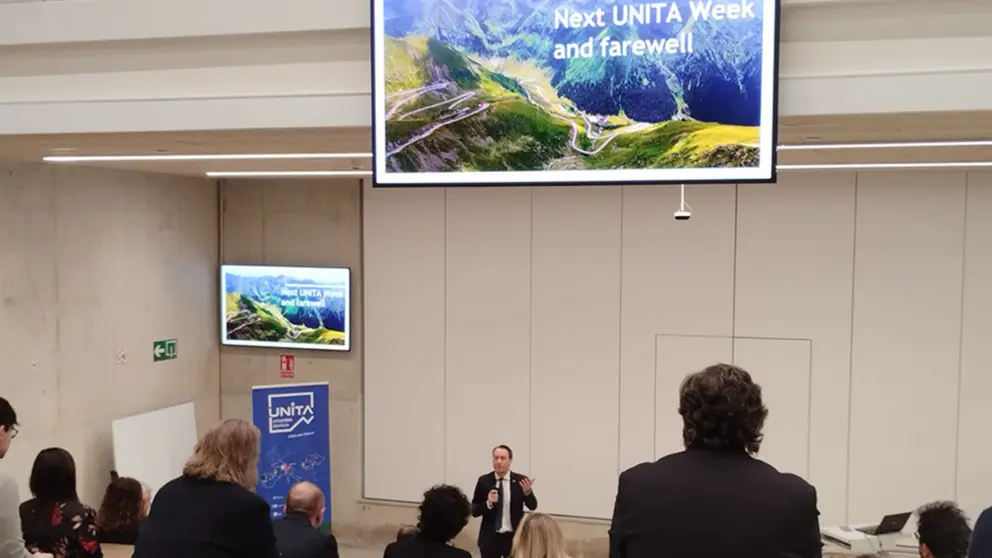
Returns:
(496,545)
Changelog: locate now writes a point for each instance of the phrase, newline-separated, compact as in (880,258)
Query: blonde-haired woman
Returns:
(539,536)
(212,510)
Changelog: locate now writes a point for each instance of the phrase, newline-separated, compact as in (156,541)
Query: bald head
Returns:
(306,498)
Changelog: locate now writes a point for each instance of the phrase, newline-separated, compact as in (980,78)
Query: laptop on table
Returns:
(890,524)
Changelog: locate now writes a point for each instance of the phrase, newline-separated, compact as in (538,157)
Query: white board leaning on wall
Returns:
(152,447)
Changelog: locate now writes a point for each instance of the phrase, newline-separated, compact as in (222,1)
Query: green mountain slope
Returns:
(450,111)
(251,320)
(503,131)
(401,60)
(511,135)
(681,144)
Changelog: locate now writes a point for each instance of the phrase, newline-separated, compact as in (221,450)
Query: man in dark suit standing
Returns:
(715,500)
(500,497)
(981,539)
(298,534)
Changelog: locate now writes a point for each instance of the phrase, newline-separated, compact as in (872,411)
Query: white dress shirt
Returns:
(11,536)
(506,526)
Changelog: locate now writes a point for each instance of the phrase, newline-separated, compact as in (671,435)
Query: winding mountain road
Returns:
(425,88)
(594,136)
(566,116)
(453,102)
(575,135)
(435,127)
(412,94)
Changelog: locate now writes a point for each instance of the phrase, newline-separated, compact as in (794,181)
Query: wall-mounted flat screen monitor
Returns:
(286,307)
(531,92)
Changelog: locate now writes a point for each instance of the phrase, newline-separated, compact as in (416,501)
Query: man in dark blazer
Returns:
(981,539)
(715,500)
(298,533)
(500,497)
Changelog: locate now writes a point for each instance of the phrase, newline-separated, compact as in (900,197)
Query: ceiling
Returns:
(792,131)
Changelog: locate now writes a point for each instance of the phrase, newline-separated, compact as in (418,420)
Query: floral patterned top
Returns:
(67,530)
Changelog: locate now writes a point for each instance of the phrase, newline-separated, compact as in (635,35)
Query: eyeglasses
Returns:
(12,430)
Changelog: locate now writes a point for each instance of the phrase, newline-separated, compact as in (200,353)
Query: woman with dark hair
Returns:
(444,512)
(123,509)
(716,497)
(55,521)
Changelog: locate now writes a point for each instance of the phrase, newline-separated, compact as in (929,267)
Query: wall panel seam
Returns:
(964,275)
(221,210)
(654,403)
(530,340)
(730,337)
(58,302)
(850,363)
(620,338)
(444,341)
(733,288)
(363,399)
(809,411)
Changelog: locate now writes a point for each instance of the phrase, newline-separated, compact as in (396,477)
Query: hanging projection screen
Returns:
(530,92)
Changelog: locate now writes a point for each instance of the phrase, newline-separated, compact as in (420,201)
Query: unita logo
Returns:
(287,411)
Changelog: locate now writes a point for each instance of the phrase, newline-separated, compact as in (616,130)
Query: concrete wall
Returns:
(94,263)
(307,223)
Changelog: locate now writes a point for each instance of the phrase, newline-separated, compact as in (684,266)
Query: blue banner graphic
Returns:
(295,425)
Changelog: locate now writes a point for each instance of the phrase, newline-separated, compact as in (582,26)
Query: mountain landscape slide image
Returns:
(255,310)
(473,85)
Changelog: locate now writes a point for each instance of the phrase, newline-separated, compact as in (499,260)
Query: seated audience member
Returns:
(11,535)
(406,532)
(212,511)
(55,521)
(981,539)
(298,533)
(122,511)
(539,536)
(942,530)
(443,514)
(715,499)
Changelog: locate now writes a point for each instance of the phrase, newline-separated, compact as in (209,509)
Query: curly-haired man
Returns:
(444,512)
(942,530)
(715,499)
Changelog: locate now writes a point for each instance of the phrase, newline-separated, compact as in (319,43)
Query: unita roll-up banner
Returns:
(295,424)
(532,92)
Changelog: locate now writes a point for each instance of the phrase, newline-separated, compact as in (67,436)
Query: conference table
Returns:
(906,547)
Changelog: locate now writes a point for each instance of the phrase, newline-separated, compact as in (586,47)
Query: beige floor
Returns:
(347,552)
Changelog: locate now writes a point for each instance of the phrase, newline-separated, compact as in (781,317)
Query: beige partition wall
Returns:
(794,277)
(562,320)
(676,281)
(908,277)
(482,296)
(974,458)
(95,266)
(674,355)
(574,353)
(407,259)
